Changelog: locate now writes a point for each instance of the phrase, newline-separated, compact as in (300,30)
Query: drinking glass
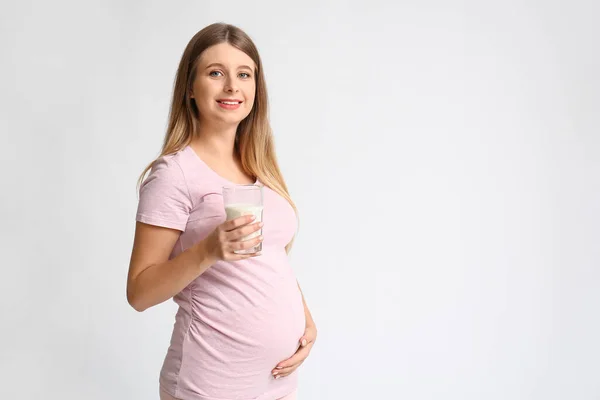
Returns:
(242,200)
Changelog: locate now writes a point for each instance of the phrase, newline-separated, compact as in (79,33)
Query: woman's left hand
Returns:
(288,366)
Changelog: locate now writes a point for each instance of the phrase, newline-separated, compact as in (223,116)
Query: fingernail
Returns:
(261,224)
(278,367)
(252,217)
(275,373)
(303,342)
(277,377)
(260,238)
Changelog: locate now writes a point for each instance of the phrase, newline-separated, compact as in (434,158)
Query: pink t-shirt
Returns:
(238,319)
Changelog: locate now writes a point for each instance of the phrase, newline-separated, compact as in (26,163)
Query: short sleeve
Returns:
(164,196)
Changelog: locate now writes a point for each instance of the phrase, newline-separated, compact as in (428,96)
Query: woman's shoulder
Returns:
(176,165)
(167,173)
(167,167)
(183,168)
(164,197)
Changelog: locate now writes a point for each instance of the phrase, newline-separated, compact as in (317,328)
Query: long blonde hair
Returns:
(254,138)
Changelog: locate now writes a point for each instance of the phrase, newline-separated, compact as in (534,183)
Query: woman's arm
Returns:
(153,278)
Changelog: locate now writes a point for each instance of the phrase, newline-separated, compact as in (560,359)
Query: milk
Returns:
(237,210)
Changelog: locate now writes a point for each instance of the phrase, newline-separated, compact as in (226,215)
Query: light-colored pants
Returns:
(166,396)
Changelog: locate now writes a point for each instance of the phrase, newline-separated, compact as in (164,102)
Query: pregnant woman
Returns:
(242,328)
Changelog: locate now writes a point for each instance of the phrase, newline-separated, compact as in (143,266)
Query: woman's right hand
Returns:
(227,237)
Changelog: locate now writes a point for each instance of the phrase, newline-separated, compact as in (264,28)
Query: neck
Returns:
(215,141)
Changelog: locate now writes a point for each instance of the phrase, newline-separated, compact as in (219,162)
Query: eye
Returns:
(245,75)
(214,72)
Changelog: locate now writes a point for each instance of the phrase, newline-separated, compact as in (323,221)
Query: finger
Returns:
(307,339)
(285,371)
(299,356)
(237,222)
(245,244)
(243,231)
(232,249)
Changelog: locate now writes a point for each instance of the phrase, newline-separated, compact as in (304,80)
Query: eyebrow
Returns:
(222,66)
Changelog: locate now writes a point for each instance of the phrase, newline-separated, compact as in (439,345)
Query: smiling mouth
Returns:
(231,103)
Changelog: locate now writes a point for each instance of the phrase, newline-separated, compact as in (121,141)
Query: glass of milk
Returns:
(242,200)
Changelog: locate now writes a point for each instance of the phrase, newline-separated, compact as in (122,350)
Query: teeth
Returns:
(230,102)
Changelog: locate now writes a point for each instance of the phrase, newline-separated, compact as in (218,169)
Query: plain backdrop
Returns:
(444,156)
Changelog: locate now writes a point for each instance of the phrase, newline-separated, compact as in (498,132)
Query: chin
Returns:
(232,118)
(229,121)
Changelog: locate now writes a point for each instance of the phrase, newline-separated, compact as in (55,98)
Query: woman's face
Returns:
(225,85)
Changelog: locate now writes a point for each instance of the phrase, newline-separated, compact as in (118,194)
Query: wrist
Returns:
(202,257)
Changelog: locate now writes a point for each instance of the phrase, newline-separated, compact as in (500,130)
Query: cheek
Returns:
(203,104)
(250,95)
(205,95)
(204,89)
(250,101)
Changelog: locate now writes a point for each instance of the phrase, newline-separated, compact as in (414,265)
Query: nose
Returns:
(230,86)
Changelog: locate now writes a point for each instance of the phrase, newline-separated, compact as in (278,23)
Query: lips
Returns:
(229,101)
(229,104)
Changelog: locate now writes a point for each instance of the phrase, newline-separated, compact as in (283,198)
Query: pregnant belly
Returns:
(251,338)
(230,351)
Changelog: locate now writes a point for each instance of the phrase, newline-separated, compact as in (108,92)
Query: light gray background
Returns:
(445,158)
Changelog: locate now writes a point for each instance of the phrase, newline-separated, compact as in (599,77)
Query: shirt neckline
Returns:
(195,155)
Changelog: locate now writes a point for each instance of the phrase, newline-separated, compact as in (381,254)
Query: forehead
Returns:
(226,54)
